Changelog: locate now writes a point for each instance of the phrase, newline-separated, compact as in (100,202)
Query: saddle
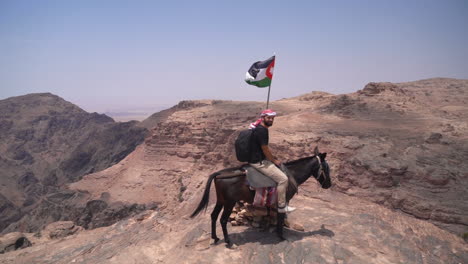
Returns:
(265,188)
(257,179)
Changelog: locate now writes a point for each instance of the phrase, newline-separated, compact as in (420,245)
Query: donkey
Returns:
(231,187)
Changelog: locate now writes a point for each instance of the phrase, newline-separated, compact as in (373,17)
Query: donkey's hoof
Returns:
(216,240)
(230,245)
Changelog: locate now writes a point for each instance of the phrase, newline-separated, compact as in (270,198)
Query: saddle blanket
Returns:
(266,196)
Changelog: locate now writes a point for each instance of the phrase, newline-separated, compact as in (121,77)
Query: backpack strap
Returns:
(252,137)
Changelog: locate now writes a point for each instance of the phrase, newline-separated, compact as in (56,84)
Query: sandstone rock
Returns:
(353,145)
(339,229)
(377,88)
(13,241)
(298,227)
(439,177)
(61,229)
(99,213)
(144,215)
(434,138)
(232,216)
(239,218)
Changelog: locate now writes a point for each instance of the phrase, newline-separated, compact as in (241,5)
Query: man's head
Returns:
(268,116)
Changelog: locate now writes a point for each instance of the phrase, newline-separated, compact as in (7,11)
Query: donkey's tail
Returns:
(206,196)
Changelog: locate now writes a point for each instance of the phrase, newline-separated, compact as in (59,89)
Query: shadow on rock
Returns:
(254,235)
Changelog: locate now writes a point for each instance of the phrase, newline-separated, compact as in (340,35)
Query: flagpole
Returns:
(268,98)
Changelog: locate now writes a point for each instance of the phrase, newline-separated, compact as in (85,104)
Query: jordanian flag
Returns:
(260,73)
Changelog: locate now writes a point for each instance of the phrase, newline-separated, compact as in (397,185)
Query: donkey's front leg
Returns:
(224,219)
(279,225)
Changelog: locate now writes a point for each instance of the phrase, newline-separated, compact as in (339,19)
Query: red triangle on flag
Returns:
(269,70)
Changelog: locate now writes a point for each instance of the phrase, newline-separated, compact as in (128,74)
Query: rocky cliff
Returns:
(399,145)
(396,153)
(47,142)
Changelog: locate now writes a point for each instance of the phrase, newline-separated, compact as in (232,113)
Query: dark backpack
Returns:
(244,144)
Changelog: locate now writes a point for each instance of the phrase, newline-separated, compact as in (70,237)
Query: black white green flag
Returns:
(260,73)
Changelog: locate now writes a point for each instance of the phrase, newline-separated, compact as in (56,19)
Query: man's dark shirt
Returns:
(260,138)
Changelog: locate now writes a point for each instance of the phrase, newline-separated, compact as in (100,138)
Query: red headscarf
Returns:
(267,112)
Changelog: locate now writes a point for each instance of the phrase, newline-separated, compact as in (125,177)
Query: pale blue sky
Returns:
(106,55)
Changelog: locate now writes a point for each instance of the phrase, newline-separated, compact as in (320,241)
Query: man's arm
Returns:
(269,156)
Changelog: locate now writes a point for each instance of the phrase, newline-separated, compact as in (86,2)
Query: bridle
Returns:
(321,173)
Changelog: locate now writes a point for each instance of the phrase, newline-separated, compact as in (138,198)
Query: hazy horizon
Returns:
(116,55)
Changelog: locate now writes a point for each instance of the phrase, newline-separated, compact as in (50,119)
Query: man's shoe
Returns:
(286,209)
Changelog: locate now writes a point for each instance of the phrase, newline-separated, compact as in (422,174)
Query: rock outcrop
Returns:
(61,229)
(46,143)
(77,207)
(337,229)
(13,241)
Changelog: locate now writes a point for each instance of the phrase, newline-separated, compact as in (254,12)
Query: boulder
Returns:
(13,241)
(61,229)
(373,88)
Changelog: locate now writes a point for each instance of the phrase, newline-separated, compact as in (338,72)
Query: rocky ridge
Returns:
(337,229)
(400,146)
(47,142)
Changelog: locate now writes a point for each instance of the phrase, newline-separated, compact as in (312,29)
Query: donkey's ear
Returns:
(323,155)
(316,151)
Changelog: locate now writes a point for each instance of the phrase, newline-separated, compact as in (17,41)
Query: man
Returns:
(263,160)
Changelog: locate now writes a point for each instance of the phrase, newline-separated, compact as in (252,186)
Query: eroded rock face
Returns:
(9,212)
(376,88)
(47,142)
(78,208)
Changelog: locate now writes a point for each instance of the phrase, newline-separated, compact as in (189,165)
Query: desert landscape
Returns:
(78,187)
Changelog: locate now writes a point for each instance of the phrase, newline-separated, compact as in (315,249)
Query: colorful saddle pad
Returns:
(267,196)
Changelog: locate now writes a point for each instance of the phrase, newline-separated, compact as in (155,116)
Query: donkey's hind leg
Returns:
(224,219)
(214,217)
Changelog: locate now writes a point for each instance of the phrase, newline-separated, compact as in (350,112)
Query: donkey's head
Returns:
(323,173)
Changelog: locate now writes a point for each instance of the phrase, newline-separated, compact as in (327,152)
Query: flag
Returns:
(260,73)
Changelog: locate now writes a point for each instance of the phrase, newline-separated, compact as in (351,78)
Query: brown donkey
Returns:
(231,187)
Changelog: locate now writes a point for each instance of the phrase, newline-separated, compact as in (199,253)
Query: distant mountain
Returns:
(47,142)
